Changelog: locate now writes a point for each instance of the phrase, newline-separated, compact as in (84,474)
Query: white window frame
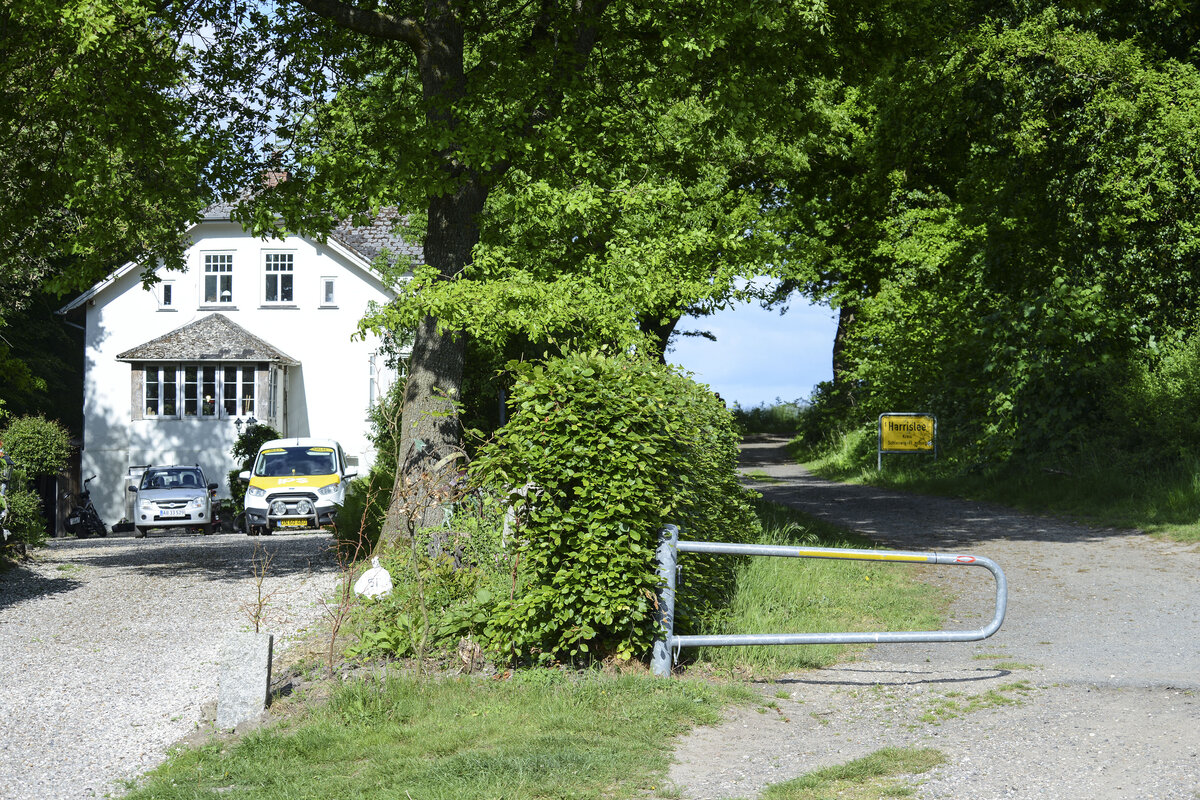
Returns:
(279,268)
(223,263)
(222,391)
(328,291)
(167,296)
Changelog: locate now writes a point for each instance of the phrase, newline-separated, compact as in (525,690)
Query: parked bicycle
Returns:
(84,520)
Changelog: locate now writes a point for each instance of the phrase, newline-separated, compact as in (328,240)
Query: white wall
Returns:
(327,394)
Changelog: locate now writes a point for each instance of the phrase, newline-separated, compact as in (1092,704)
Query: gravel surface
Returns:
(1090,690)
(109,648)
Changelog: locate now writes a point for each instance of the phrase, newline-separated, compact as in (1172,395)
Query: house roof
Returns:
(363,242)
(211,338)
(368,241)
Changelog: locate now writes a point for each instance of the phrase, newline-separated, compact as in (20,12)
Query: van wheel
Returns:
(139,532)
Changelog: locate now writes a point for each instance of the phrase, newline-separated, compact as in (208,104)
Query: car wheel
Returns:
(139,532)
(207,530)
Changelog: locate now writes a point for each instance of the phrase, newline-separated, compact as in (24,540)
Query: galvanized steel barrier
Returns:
(669,547)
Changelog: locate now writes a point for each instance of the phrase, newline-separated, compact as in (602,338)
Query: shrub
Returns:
(244,449)
(37,446)
(613,448)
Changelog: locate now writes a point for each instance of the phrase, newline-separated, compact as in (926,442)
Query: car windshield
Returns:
(279,461)
(174,478)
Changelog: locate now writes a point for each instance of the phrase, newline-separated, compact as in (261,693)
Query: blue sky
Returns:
(759,355)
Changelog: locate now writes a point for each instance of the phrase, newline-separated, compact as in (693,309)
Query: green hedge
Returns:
(615,448)
(37,446)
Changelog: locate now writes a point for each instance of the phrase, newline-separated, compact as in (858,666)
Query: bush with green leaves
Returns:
(609,448)
(443,585)
(37,446)
(244,449)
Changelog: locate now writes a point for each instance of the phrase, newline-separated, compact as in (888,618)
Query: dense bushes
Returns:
(37,446)
(609,449)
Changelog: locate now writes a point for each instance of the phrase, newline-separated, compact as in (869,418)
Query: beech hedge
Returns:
(610,448)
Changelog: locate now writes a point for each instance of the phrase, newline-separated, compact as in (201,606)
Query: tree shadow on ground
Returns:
(900,519)
(226,557)
(20,583)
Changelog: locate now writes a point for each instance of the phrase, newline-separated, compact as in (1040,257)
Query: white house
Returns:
(254,328)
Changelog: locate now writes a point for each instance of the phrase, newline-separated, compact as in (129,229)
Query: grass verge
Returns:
(803,595)
(871,777)
(1163,501)
(540,734)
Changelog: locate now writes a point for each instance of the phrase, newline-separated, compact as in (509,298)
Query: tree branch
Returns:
(369,23)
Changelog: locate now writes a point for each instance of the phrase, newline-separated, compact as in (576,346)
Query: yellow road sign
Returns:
(906,433)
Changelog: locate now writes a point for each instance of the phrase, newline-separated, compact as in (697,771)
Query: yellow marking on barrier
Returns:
(863,556)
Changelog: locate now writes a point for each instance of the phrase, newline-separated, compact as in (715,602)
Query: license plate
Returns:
(172,512)
(293,523)
(73,521)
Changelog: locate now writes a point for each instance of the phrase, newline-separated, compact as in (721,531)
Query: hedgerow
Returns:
(608,450)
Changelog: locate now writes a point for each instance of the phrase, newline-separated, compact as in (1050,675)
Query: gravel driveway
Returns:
(109,648)
(1088,691)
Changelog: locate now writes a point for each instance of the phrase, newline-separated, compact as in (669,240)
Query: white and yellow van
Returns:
(295,484)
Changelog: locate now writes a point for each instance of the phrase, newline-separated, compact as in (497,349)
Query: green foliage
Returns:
(245,448)
(443,586)
(609,449)
(99,167)
(38,446)
(780,417)
(24,521)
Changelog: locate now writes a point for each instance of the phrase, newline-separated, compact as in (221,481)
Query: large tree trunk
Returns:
(430,435)
(659,331)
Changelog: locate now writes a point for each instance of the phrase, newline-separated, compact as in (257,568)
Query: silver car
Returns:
(173,497)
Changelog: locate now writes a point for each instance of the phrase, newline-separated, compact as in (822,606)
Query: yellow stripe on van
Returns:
(293,481)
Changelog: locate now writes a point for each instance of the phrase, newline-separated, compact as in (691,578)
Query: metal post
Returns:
(668,555)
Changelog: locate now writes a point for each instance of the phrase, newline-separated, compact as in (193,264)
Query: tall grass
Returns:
(798,595)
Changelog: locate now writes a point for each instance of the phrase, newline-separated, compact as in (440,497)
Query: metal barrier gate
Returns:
(669,547)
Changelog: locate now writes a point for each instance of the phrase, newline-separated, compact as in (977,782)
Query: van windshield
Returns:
(280,461)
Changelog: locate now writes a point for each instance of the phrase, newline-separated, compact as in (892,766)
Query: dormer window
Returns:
(218,278)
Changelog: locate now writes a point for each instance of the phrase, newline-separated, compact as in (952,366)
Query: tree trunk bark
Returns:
(429,436)
(841,383)
(660,332)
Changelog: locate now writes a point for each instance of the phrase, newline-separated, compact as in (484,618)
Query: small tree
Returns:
(36,446)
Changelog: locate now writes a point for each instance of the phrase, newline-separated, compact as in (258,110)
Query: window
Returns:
(166,296)
(279,275)
(161,391)
(218,278)
(328,298)
(198,391)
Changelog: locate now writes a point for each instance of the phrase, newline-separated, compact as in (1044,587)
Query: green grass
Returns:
(871,777)
(541,734)
(1096,489)
(801,595)
(551,734)
(956,704)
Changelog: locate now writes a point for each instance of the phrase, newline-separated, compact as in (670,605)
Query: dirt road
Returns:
(1090,690)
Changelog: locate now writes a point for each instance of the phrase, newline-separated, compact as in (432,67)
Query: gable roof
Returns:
(211,338)
(368,241)
(363,243)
